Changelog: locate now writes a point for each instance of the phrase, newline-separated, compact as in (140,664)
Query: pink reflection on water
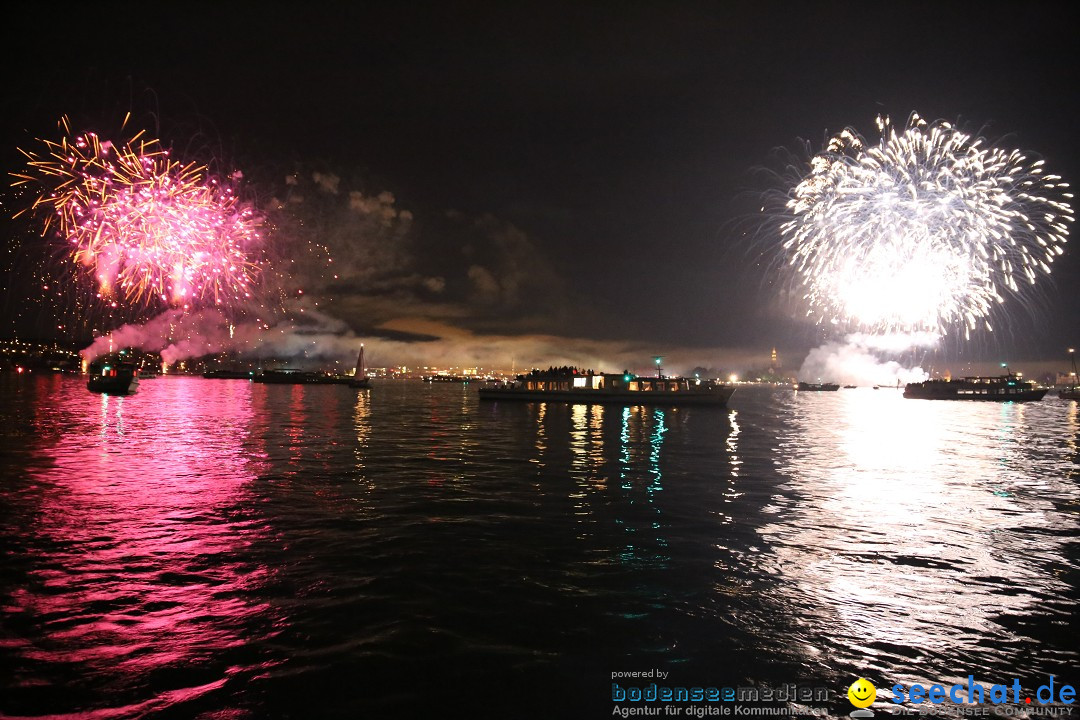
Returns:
(142,540)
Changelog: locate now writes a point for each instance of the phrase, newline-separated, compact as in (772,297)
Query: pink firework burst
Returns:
(151,230)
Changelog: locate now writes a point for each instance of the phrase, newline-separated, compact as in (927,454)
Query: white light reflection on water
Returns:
(541,436)
(732,492)
(586,443)
(117,423)
(732,444)
(362,427)
(921,531)
(364,483)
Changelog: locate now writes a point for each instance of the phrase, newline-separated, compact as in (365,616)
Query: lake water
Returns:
(224,549)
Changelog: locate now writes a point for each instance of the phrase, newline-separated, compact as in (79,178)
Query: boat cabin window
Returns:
(634,386)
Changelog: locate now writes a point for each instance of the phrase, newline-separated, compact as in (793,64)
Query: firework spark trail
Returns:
(925,232)
(153,231)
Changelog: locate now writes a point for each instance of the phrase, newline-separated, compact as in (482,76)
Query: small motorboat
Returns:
(113,377)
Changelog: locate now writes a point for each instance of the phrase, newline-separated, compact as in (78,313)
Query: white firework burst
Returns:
(927,231)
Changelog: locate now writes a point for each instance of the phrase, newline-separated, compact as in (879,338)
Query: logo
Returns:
(862,694)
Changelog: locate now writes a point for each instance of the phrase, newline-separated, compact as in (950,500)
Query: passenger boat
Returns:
(113,377)
(818,387)
(1002,388)
(571,385)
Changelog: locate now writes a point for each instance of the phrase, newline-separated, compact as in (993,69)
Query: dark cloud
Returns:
(356,255)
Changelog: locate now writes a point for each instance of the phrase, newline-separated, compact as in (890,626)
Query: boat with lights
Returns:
(224,374)
(1071,392)
(1001,388)
(293,376)
(817,387)
(296,376)
(113,377)
(574,386)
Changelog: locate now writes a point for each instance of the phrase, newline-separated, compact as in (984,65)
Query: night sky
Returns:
(571,176)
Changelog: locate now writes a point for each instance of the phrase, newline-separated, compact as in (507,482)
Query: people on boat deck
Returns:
(559,371)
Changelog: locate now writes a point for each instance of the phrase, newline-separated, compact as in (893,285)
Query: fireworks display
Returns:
(152,231)
(928,230)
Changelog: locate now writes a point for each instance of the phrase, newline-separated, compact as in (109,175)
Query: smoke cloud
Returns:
(321,341)
(861,359)
(179,335)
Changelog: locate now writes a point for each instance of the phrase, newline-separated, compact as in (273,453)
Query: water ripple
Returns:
(230,550)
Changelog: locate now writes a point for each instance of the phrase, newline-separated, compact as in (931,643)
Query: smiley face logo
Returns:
(862,693)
